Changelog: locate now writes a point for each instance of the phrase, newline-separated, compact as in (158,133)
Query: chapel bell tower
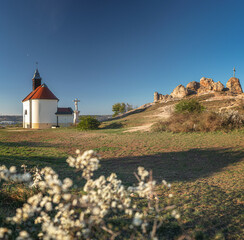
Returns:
(36,80)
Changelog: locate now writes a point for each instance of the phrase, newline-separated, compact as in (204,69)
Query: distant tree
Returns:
(122,108)
(118,108)
(88,123)
(129,107)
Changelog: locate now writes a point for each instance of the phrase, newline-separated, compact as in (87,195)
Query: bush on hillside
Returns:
(189,116)
(189,106)
(88,123)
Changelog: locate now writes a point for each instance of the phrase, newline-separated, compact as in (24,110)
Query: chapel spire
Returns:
(36,80)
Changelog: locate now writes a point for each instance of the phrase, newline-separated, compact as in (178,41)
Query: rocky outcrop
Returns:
(180,92)
(166,98)
(156,97)
(205,86)
(161,98)
(234,86)
(206,83)
(218,86)
(193,86)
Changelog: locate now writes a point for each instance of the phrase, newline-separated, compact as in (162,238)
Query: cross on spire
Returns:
(234,71)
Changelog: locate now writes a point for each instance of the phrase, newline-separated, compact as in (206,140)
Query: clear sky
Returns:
(108,51)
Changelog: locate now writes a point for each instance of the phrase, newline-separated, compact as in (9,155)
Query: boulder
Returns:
(166,98)
(180,92)
(218,87)
(207,83)
(234,85)
(156,96)
(203,90)
(193,87)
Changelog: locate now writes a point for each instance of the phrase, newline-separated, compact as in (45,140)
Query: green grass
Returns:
(205,169)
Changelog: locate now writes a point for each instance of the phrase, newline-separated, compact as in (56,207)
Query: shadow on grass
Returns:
(27,144)
(57,163)
(207,210)
(173,166)
(114,125)
(212,211)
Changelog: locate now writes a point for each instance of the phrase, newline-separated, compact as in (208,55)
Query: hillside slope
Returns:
(142,118)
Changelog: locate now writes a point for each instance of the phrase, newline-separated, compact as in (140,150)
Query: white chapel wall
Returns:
(43,113)
(26,114)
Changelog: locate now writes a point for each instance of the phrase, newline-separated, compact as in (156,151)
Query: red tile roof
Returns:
(65,111)
(41,92)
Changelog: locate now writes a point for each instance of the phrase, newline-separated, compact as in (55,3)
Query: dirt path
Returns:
(19,130)
(164,112)
(144,128)
(160,114)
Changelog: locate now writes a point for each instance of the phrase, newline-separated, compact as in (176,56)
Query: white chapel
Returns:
(40,108)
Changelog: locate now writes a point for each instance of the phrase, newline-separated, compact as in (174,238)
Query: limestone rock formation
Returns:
(166,98)
(180,92)
(205,86)
(207,83)
(193,86)
(156,96)
(218,87)
(234,85)
(161,98)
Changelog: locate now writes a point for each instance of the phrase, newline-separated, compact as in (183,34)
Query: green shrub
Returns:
(88,123)
(189,106)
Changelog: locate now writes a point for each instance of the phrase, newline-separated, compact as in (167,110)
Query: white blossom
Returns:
(23,235)
(63,215)
(4,232)
(137,221)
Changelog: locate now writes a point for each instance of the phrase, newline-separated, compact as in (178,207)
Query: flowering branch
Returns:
(58,214)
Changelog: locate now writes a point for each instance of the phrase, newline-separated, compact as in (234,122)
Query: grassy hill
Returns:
(143,117)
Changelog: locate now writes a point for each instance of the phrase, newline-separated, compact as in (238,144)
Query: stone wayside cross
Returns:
(76,112)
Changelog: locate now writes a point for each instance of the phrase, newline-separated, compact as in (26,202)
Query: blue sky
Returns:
(108,51)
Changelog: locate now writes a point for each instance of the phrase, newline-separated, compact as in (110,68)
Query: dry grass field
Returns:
(205,169)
